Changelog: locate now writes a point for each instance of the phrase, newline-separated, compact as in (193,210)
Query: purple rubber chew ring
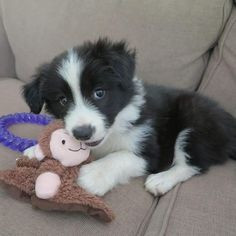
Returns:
(14,142)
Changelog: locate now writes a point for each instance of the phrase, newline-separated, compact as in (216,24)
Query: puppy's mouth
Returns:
(94,144)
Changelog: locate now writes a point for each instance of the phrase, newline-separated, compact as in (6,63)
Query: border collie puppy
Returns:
(132,129)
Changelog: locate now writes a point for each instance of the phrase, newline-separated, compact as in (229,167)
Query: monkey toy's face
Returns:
(66,149)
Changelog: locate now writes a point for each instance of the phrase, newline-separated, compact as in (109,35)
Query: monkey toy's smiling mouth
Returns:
(76,150)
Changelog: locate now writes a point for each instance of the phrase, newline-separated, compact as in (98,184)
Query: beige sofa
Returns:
(182,43)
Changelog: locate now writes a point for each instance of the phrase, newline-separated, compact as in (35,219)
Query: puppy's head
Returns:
(87,87)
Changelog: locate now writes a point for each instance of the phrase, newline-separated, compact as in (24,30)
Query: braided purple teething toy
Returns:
(14,142)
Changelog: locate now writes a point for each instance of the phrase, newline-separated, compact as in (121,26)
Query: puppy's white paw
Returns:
(159,184)
(93,179)
(30,152)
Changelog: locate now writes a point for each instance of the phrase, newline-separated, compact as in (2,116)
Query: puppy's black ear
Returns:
(32,92)
(123,62)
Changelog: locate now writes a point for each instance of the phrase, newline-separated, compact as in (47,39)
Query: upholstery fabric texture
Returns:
(204,205)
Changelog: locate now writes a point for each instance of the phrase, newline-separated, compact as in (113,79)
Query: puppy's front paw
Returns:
(158,184)
(30,152)
(93,179)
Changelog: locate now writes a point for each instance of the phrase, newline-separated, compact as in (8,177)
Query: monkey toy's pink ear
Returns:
(38,152)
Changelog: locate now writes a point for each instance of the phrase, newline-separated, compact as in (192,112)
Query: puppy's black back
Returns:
(212,136)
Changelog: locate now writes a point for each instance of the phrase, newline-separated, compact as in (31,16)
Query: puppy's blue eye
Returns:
(98,94)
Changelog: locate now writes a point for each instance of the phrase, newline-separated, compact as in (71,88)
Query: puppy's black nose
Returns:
(83,132)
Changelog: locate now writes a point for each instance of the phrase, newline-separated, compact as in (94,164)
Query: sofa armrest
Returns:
(7,63)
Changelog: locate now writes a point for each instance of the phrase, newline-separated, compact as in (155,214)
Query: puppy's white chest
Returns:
(130,140)
(114,143)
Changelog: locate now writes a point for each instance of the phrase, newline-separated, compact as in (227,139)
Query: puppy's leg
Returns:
(30,152)
(102,175)
(160,183)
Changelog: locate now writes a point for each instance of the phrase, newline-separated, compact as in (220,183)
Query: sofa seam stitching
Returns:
(146,220)
(206,58)
(206,61)
(221,49)
(224,18)
(170,208)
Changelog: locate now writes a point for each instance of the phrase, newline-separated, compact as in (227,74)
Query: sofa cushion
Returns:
(131,204)
(219,80)
(172,37)
(204,205)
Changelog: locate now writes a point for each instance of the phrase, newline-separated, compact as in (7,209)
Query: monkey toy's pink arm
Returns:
(47,185)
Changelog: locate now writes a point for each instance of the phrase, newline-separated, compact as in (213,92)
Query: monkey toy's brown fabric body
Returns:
(70,197)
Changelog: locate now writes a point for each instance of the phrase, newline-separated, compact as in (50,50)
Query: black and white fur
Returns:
(135,129)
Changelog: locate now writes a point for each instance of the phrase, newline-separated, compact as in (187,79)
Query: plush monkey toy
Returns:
(49,179)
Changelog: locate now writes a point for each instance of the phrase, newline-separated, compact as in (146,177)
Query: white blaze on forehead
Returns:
(82,113)
(70,71)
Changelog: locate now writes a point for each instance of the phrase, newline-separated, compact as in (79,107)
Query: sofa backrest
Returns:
(7,66)
(219,81)
(172,37)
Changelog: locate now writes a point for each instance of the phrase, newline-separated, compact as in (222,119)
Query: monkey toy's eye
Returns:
(63,141)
